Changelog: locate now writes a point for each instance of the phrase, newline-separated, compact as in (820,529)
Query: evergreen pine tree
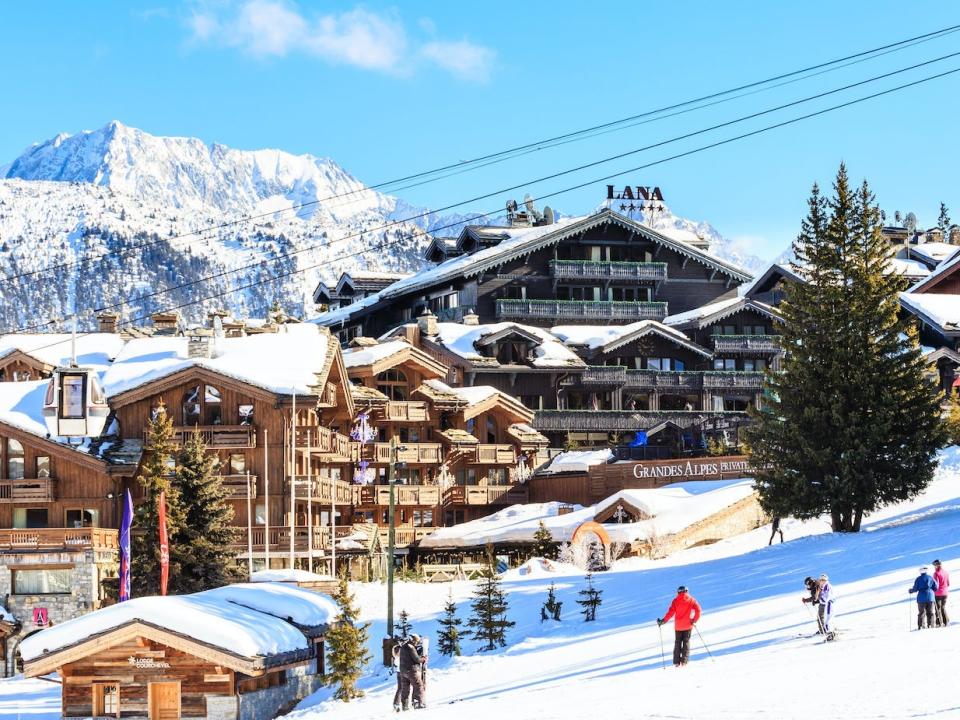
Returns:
(551,608)
(154,478)
(206,537)
(589,600)
(543,543)
(346,642)
(488,619)
(851,422)
(448,637)
(943,222)
(403,624)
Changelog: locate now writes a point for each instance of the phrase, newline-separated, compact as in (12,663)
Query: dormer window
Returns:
(512,352)
(393,384)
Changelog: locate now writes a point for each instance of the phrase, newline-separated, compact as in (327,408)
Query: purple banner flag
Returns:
(125,523)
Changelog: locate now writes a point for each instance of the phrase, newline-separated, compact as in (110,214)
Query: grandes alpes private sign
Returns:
(693,469)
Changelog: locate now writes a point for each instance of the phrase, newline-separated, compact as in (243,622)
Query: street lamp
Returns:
(391,547)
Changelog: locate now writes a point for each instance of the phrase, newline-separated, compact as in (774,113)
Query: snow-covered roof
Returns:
(357,357)
(719,310)
(6,617)
(940,310)
(609,337)
(671,508)
(21,405)
(244,620)
(293,575)
(945,268)
(284,362)
(460,340)
(934,252)
(376,275)
(907,268)
(94,350)
(468,395)
(576,461)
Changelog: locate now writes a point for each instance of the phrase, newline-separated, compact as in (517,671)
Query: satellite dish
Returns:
(511,206)
(910,222)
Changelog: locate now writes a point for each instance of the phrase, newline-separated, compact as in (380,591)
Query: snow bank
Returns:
(287,575)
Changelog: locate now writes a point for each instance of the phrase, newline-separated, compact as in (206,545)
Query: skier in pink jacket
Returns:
(940,596)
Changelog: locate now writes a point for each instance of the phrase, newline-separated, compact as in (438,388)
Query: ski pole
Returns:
(702,642)
(663,659)
(910,614)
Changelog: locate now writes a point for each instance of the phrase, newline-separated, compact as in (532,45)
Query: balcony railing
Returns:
(760,344)
(403,411)
(404,494)
(598,375)
(486,495)
(495,455)
(324,442)
(216,436)
(417,453)
(28,490)
(733,379)
(321,490)
(600,270)
(279,537)
(580,310)
(405,535)
(58,539)
(693,380)
(622,420)
(236,486)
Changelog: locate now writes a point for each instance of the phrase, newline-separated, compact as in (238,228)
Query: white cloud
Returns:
(358,37)
(461,58)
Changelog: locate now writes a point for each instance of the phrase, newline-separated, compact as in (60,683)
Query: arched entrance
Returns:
(591,534)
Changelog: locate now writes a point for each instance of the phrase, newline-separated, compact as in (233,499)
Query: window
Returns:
(532,402)
(497,476)
(81,518)
(237,464)
(423,518)
(393,384)
(15,461)
(491,431)
(512,353)
(72,395)
(516,292)
(43,466)
(191,406)
(24,518)
(724,329)
(471,424)
(211,403)
(106,699)
(43,581)
(678,365)
(260,514)
(467,476)
(724,364)
(747,364)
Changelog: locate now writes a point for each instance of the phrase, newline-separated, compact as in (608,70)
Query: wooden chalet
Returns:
(354,286)
(241,652)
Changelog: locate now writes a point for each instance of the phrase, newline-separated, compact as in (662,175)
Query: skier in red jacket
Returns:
(686,611)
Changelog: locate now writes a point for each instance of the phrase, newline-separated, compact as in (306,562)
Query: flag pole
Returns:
(293,476)
(266,502)
(309,498)
(249,527)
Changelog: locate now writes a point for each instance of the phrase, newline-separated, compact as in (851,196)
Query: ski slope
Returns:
(764,663)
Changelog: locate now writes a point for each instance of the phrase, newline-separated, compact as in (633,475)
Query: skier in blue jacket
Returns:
(925,587)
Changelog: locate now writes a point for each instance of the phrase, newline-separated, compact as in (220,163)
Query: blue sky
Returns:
(387,89)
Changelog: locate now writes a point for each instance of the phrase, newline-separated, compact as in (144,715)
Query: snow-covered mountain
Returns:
(82,204)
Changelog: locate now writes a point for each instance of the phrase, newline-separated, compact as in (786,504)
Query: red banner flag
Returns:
(164,544)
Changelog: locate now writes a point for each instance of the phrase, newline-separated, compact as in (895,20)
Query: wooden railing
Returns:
(417,453)
(623,420)
(403,411)
(738,380)
(216,436)
(746,343)
(598,375)
(601,270)
(693,379)
(580,310)
(280,538)
(323,441)
(495,454)
(236,486)
(405,535)
(28,490)
(403,494)
(319,489)
(486,495)
(58,538)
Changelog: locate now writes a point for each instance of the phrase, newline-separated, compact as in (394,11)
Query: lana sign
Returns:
(700,468)
(637,192)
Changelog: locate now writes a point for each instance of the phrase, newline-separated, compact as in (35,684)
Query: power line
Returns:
(521,150)
(571,188)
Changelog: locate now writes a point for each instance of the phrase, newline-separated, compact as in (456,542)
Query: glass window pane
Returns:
(71,389)
(28,582)
(43,466)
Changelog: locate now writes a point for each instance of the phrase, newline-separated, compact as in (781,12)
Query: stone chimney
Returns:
(107,322)
(953,233)
(471,318)
(167,321)
(427,323)
(199,346)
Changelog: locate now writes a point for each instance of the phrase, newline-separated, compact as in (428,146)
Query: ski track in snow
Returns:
(764,664)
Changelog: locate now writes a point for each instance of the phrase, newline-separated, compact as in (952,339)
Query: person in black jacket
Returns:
(410,673)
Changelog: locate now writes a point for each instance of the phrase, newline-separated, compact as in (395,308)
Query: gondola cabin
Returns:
(75,405)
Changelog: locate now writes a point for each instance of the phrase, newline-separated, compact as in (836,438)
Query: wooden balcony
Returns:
(58,539)
(733,380)
(486,495)
(746,344)
(280,538)
(602,310)
(219,437)
(599,270)
(428,495)
(324,443)
(402,411)
(405,535)
(693,380)
(598,375)
(494,455)
(236,486)
(624,420)
(322,490)
(415,453)
(40,490)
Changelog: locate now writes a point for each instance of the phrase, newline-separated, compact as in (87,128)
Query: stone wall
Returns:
(89,567)
(271,702)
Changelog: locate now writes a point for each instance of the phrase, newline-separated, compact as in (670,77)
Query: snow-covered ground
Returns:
(763,663)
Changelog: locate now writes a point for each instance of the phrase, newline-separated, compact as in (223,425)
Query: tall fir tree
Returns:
(155,474)
(403,624)
(590,599)
(448,636)
(543,543)
(346,642)
(943,221)
(488,619)
(851,422)
(207,560)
